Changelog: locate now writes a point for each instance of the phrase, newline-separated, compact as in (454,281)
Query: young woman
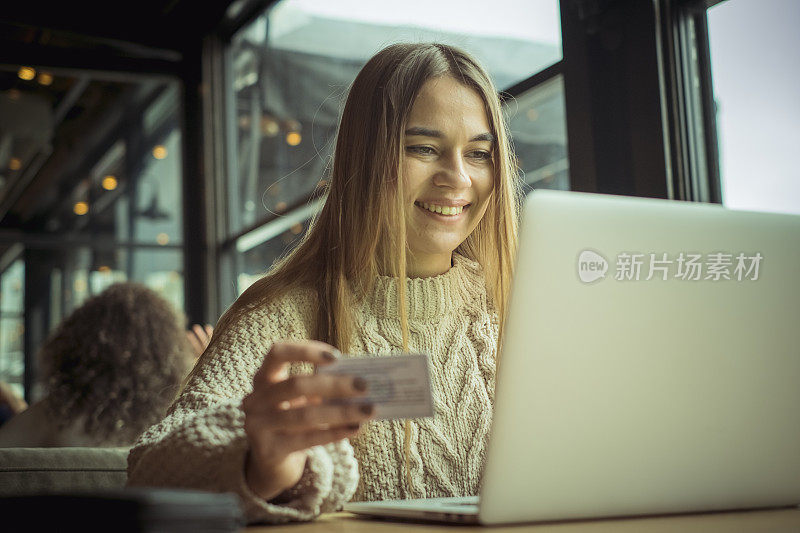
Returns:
(413,250)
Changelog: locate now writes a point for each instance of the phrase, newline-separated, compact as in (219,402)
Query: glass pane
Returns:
(256,261)
(161,270)
(539,132)
(158,217)
(290,68)
(12,289)
(12,358)
(755,59)
(100,280)
(89,272)
(78,263)
(12,328)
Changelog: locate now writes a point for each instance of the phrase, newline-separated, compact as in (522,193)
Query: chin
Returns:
(430,243)
(437,248)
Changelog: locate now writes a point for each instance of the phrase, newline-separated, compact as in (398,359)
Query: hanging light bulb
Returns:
(160,152)
(293,138)
(26,73)
(109,183)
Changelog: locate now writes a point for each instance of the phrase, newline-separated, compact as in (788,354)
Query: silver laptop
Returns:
(651,366)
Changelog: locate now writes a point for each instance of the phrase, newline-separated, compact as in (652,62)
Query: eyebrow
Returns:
(427,132)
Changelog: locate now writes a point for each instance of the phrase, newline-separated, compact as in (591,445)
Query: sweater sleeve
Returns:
(201,444)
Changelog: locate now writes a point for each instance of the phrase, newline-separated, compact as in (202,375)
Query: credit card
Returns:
(398,385)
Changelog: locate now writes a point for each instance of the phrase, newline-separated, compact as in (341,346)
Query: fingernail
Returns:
(367,409)
(329,356)
(360,384)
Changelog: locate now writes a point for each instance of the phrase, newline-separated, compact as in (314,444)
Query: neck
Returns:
(427,266)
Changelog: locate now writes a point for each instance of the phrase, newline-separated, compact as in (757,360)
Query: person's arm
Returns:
(203,444)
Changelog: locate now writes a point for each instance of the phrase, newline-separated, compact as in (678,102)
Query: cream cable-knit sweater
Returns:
(202,444)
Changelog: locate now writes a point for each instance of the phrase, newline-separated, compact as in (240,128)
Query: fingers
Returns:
(288,414)
(199,337)
(283,353)
(203,333)
(324,386)
(302,391)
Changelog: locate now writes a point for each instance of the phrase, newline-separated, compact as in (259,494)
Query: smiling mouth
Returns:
(444,210)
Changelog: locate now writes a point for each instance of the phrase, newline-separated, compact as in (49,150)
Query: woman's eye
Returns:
(422,150)
(482,155)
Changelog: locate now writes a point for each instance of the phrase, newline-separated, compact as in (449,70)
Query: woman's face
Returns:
(448,172)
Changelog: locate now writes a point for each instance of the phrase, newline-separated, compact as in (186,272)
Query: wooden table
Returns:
(780,520)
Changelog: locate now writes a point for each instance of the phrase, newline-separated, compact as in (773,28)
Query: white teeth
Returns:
(442,210)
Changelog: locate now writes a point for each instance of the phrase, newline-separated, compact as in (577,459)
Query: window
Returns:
(288,72)
(538,128)
(755,60)
(91,180)
(134,213)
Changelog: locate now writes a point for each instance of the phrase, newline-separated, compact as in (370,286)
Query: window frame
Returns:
(691,135)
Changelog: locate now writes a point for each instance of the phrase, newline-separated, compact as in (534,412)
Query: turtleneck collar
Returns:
(433,297)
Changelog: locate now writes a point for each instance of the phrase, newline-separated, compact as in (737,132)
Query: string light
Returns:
(26,73)
(160,152)
(45,78)
(14,163)
(109,183)
(269,126)
(293,138)
(162,239)
(81,208)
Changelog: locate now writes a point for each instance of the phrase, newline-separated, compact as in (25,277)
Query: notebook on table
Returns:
(651,366)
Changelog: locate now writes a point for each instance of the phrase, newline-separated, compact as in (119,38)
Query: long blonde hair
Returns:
(351,241)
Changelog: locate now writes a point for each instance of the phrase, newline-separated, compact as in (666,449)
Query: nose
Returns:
(452,172)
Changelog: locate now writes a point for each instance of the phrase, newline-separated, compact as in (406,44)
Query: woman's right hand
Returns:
(284,416)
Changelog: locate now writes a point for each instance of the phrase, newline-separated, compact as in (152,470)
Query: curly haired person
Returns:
(110,370)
